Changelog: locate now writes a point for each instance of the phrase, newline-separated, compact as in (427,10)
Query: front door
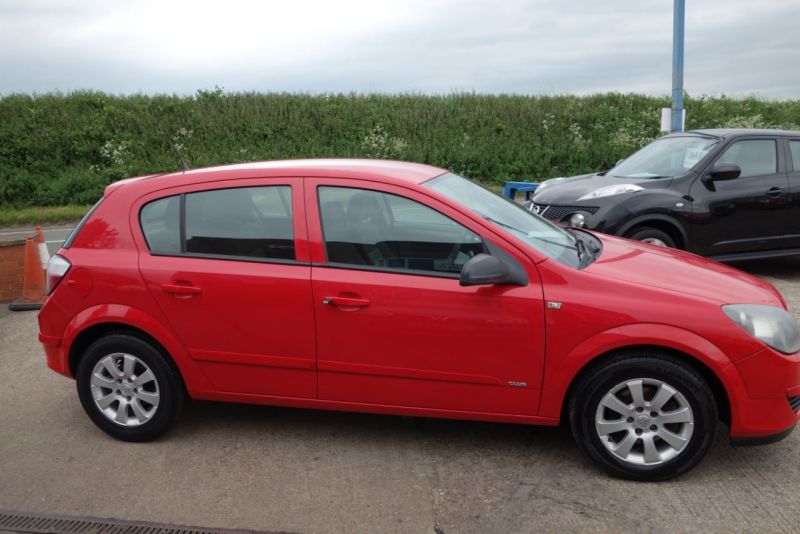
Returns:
(745,214)
(793,211)
(394,327)
(234,282)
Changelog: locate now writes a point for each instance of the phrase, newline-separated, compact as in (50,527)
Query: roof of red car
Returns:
(403,171)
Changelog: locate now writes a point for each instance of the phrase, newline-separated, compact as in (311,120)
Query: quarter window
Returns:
(754,157)
(385,231)
(161,225)
(251,222)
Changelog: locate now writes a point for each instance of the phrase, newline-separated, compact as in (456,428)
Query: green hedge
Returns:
(58,149)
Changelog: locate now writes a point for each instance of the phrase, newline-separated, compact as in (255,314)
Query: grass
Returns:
(41,215)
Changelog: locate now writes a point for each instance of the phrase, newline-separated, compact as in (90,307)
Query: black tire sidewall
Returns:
(170,387)
(689,383)
(645,232)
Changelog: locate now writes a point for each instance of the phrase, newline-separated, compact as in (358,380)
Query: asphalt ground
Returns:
(290,470)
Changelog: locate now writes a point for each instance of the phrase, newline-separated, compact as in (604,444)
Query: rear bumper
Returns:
(57,357)
(762,410)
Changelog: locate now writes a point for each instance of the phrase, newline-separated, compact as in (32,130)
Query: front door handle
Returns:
(346,302)
(176,289)
(775,192)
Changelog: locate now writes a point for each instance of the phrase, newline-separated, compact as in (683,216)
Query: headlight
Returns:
(774,326)
(577,220)
(611,190)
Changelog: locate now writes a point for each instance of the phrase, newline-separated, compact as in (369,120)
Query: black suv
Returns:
(729,194)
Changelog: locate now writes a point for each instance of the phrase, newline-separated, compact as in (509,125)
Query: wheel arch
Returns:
(699,353)
(95,322)
(712,379)
(665,223)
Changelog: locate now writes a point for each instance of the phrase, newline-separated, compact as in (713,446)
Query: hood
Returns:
(568,190)
(679,271)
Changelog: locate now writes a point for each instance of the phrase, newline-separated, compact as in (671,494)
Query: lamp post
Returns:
(679,14)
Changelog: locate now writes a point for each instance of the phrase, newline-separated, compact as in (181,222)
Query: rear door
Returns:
(227,263)
(747,214)
(395,327)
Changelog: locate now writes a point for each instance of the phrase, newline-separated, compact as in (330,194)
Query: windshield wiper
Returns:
(653,177)
(580,246)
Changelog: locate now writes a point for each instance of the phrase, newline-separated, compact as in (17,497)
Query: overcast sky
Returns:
(736,47)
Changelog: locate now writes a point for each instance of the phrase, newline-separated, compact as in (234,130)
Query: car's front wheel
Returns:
(645,416)
(128,388)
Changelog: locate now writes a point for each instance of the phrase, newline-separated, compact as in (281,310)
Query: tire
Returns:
(142,405)
(651,235)
(696,431)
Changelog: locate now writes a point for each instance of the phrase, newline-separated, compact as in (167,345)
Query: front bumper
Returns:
(765,408)
(602,216)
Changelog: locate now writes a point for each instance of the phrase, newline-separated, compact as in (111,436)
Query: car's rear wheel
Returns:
(653,236)
(128,388)
(644,416)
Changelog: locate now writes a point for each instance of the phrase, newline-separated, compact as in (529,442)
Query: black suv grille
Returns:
(794,402)
(556,213)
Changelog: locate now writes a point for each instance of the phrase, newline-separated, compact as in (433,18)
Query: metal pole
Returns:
(679,14)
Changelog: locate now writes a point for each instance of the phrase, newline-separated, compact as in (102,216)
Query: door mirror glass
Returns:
(724,171)
(484,269)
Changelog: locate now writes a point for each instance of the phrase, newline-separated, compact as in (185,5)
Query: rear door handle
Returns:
(346,302)
(775,192)
(175,289)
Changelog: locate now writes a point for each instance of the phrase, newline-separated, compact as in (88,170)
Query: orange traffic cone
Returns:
(33,281)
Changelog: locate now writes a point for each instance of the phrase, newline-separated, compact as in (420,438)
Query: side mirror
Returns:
(483,269)
(723,171)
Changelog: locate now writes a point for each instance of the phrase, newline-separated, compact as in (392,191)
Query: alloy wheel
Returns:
(644,421)
(124,389)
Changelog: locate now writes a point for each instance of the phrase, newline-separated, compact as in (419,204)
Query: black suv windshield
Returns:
(665,157)
(536,231)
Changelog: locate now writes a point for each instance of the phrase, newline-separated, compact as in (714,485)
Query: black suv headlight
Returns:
(774,326)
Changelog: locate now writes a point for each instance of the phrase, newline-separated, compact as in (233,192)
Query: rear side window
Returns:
(161,225)
(755,157)
(251,222)
(390,232)
(794,147)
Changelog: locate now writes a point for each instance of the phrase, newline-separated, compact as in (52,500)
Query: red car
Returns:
(404,289)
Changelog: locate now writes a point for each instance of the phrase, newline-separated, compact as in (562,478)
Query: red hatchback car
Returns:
(401,288)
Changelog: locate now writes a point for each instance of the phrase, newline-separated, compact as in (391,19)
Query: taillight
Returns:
(57,267)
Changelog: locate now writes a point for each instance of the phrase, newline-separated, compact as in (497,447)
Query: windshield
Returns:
(665,157)
(536,231)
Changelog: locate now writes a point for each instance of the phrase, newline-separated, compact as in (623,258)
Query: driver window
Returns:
(386,231)
(754,157)
(245,222)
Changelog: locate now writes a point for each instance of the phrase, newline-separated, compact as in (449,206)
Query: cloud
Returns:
(436,46)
